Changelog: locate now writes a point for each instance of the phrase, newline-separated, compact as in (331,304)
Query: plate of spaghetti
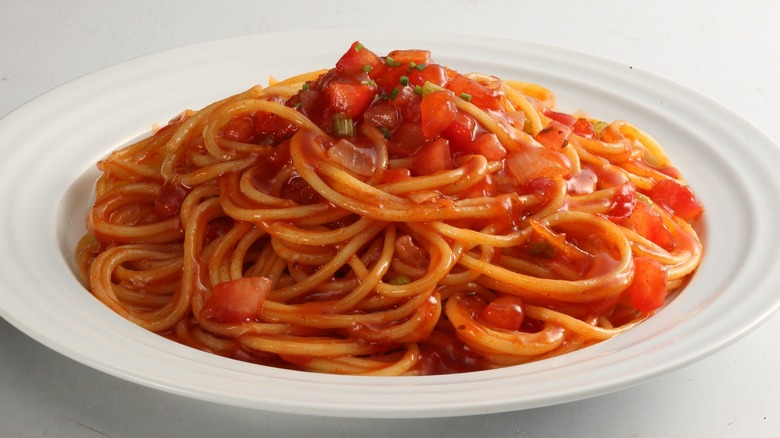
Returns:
(378,225)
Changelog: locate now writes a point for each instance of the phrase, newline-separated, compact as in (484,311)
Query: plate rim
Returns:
(389,386)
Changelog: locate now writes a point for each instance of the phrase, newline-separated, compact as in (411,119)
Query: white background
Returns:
(725,49)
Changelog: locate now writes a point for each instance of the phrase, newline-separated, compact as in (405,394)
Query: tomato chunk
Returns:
(433,73)
(357,59)
(505,312)
(649,224)
(555,136)
(350,98)
(647,290)
(678,198)
(432,157)
(437,111)
(479,94)
(237,300)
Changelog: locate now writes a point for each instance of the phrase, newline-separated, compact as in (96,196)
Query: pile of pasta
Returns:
(389,216)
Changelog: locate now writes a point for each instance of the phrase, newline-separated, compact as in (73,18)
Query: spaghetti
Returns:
(389,216)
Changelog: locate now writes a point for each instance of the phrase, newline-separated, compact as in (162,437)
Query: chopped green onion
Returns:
(370,83)
(420,67)
(418,90)
(359,47)
(404,80)
(394,93)
(298,105)
(465,96)
(386,132)
(390,62)
(366,68)
(343,126)
(428,88)
(305,86)
(412,65)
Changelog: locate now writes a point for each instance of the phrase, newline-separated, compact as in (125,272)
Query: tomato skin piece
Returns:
(677,198)
(505,312)
(237,301)
(356,58)
(437,111)
(433,156)
(648,290)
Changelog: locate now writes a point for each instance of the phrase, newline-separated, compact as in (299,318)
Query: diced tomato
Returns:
(461,132)
(411,55)
(387,78)
(555,136)
(409,103)
(648,289)
(480,95)
(348,97)
(437,111)
(505,312)
(168,203)
(433,73)
(566,119)
(584,128)
(537,162)
(623,203)
(433,156)
(678,198)
(382,114)
(649,224)
(272,127)
(395,174)
(237,300)
(487,144)
(406,139)
(356,59)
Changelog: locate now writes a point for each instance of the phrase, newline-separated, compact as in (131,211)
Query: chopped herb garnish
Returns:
(298,105)
(386,132)
(394,93)
(366,68)
(343,126)
(359,47)
(404,80)
(390,62)
(370,83)
(420,67)
(418,89)
(465,96)
(305,86)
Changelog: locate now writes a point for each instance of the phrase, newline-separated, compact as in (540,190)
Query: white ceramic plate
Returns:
(50,146)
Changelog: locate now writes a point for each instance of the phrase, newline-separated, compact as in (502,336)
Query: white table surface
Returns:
(725,49)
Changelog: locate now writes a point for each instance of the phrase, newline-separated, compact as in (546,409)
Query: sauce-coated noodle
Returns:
(389,216)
